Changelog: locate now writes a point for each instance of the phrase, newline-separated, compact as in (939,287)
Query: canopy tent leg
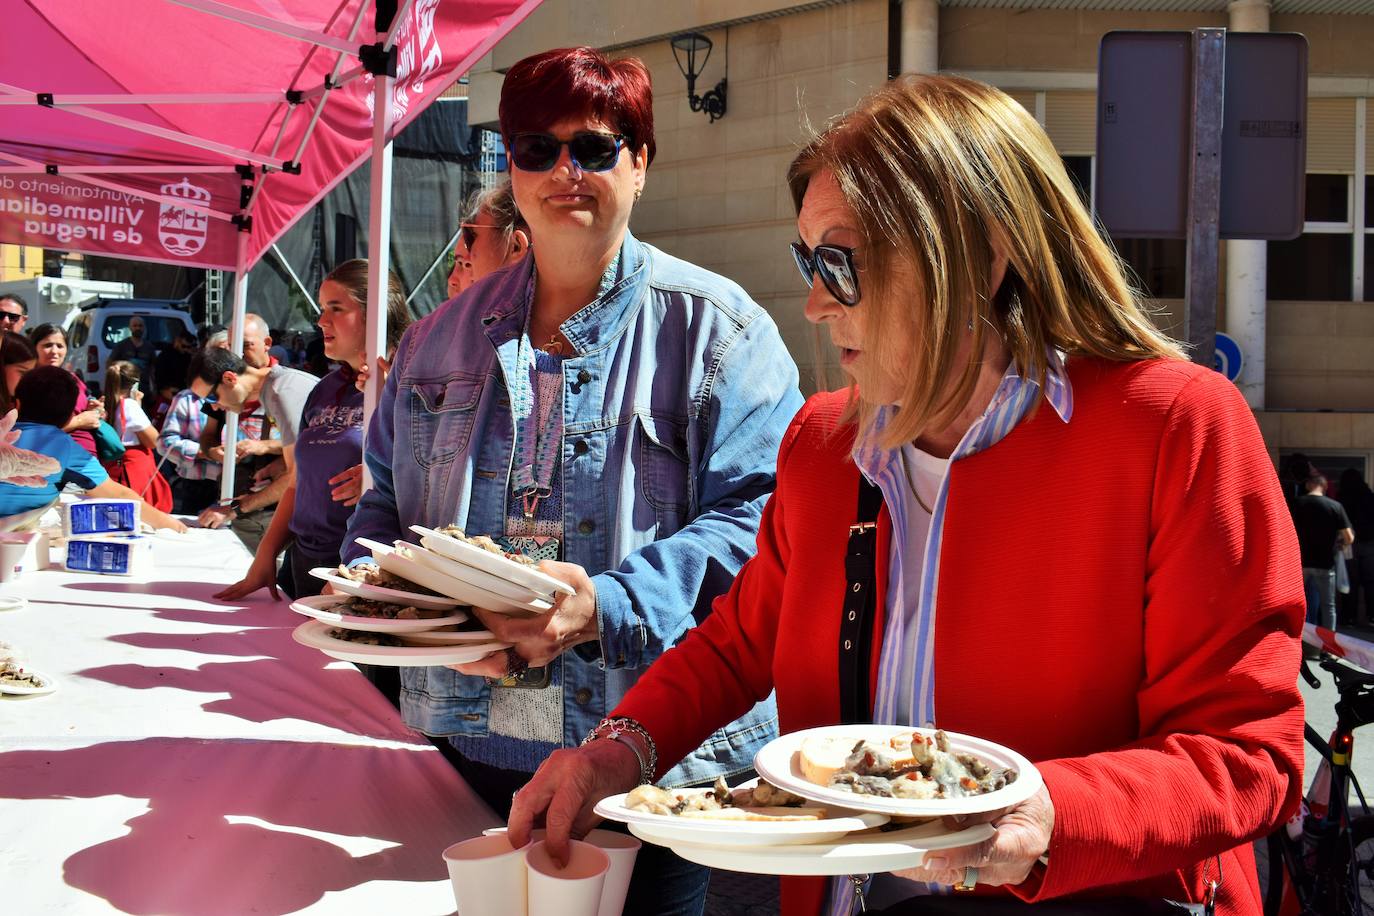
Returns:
(378,250)
(231,418)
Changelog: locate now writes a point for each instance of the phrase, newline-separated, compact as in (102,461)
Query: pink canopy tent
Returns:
(196,132)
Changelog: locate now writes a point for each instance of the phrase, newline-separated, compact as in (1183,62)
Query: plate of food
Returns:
(362,647)
(481,552)
(869,852)
(399,561)
(448,636)
(899,770)
(437,561)
(367,580)
(20,681)
(753,814)
(354,613)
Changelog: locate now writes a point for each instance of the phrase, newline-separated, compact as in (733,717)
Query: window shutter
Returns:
(1331,136)
(1071,121)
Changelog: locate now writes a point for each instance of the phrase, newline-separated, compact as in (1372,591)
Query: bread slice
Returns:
(822,756)
(758,814)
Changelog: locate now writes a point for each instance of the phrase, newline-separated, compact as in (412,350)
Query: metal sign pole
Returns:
(1204,192)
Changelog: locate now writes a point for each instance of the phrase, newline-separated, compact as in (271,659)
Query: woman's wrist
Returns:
(627,731)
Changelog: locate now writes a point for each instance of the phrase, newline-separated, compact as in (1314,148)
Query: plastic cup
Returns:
(16,554)
(621,849)
(488,876)
(571,891)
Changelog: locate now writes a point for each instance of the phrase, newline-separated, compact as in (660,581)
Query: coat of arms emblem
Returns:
(183,231)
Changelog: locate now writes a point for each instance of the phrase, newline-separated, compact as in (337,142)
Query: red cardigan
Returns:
(1119,599)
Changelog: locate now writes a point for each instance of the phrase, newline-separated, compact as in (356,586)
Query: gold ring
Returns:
(970,879)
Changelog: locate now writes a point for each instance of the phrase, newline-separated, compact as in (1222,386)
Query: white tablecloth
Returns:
(196,760)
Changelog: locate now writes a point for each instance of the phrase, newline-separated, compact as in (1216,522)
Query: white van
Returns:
(95,330)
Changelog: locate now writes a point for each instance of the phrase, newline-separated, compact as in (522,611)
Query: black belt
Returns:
(860,596)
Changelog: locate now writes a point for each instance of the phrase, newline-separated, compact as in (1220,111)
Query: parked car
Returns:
(95,330)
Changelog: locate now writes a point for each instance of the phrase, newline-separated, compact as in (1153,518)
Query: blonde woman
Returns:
(1010,406)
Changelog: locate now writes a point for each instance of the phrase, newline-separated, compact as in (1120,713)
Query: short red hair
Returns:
(546,88)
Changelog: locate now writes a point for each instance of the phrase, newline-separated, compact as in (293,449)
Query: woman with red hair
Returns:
(601,406)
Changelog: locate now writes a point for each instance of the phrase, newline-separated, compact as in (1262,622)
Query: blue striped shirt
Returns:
(905,692)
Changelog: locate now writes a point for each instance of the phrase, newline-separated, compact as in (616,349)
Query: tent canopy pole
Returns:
(266,24)
(378,251)
(231,417)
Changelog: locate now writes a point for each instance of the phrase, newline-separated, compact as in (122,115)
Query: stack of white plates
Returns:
(463,576)
(854,836)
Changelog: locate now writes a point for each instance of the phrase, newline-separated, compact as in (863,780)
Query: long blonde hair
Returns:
(121,377)
(938,169)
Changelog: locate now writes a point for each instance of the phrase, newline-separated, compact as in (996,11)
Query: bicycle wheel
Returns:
(1279,849)
(1361,896)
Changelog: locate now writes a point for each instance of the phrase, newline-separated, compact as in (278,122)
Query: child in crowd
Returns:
(47,399)
(138,467)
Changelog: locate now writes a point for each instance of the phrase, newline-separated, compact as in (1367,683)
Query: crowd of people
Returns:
(744,561)
(156,430)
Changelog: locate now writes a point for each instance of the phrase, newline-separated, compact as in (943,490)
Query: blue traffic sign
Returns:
(1227,358)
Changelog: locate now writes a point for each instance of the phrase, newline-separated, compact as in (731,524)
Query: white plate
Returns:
(380,593)
(856,855)
(497,565)
(667,829)
(315,634)
(49,685)
(324,607)
(449,637)
(435,560)
(777,762)
(466,592)
(13,603)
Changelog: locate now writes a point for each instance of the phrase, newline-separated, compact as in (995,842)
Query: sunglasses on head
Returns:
(591,151)
(11,316)
(835,264)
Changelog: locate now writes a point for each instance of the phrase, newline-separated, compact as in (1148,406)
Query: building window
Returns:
(1318,265)
(1159,267)
(1080,169)
(1368,240)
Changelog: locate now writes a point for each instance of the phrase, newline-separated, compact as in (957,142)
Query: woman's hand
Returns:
(1022,837)
(348,486)
(260,575)
(565,788)
(383,367)
(87,419)
(539,640)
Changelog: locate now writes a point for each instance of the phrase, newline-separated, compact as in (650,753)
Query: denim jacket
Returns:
(673,407)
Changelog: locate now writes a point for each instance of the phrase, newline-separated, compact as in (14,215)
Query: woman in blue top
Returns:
(603,404)
(328,450)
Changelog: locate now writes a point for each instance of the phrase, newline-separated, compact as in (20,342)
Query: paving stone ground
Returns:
(738,894)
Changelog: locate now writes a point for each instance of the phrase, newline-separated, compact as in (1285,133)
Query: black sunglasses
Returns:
(835,264)
(591,151)
(470,233)
(11,316)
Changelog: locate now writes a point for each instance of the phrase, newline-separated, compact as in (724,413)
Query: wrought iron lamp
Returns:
(687,47)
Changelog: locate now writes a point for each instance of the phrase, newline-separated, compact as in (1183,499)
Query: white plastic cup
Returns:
(488,876)
(621,849)
(574,890)
(16,555)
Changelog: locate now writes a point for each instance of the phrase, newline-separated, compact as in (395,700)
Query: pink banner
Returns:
(208,93)
(63,213)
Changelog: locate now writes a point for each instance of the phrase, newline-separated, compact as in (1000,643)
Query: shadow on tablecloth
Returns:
(249,826)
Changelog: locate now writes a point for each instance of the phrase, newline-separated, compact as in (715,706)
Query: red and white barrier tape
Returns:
(1343,645)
